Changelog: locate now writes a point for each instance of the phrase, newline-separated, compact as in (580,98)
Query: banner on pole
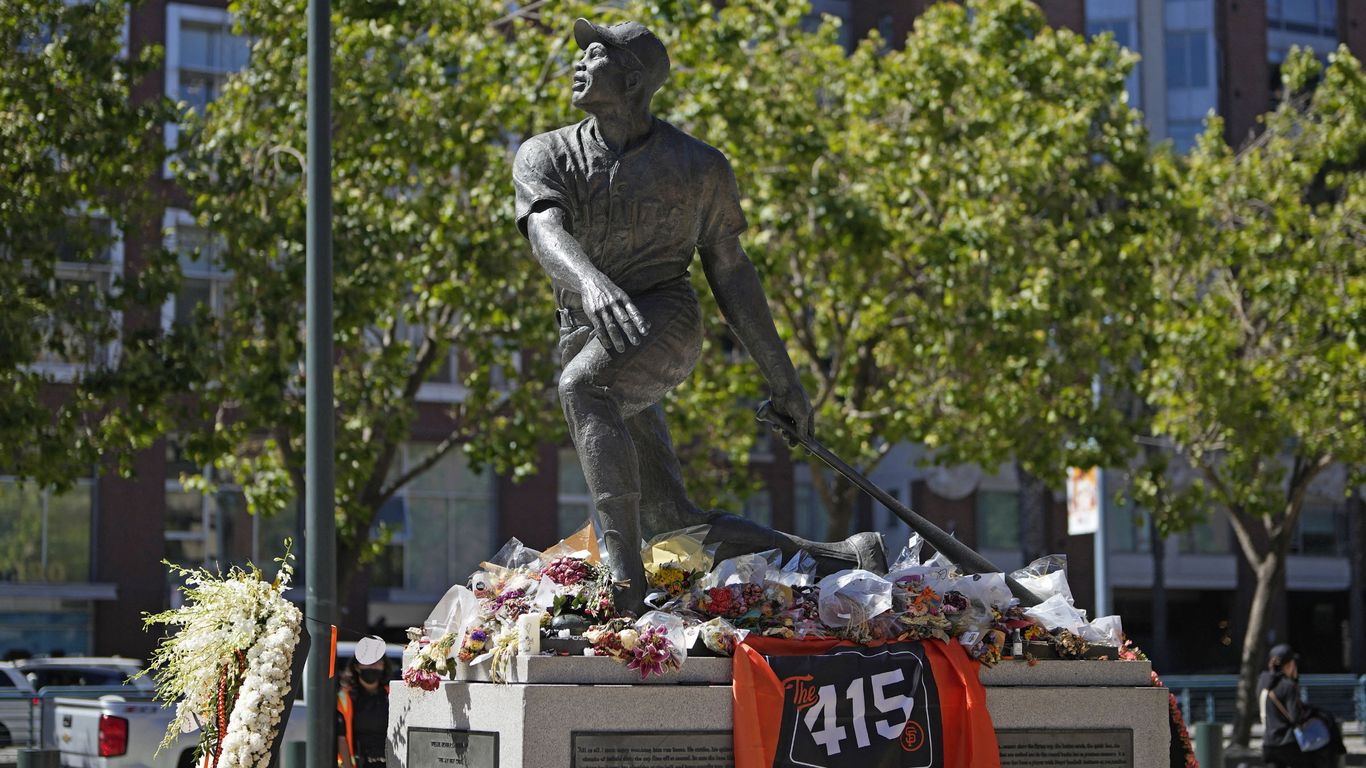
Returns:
(1083,500)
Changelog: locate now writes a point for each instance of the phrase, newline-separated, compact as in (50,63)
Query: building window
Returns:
(808,511)
(837,8)
(57,632)
(1188,59)
(1122,31)
(443,383)
(201,52)
(1118,28)
(215,530)
(82,330)
(759,508)
(1184,133)
(206,53)
(998,519)
(573,500)
(1126,526)
(204,279)
(443,523)
(1211,537)
(886,29)
(44,535)
(1315,17)
(1321,531)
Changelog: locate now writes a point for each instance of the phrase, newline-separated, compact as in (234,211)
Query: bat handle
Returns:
(777,421)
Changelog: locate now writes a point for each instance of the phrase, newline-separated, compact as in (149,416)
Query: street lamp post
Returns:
(320,523)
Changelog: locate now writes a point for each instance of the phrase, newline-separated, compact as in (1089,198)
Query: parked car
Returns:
(22,681)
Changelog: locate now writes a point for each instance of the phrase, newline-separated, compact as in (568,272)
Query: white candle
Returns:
(529,634)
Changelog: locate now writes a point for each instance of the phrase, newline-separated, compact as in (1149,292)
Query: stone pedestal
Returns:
(587,713)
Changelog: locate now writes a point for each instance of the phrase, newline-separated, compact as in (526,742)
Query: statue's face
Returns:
(602,77)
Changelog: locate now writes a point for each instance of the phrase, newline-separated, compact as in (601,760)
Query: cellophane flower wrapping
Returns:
(760,593)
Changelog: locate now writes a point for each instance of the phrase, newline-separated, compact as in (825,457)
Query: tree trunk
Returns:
(1034,499)
(837,495)
(1356,601)
(1158,544)
(1270,573)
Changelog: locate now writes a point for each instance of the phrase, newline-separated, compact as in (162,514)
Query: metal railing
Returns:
(18,721)
(1213,698)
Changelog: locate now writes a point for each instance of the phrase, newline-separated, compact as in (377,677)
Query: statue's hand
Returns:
(796,406)
(612,312)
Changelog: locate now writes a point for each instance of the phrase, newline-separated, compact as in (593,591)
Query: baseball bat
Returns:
(957,552)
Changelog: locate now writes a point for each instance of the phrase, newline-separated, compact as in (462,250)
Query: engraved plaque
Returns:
(653,749)
(1072,748)
(435,748)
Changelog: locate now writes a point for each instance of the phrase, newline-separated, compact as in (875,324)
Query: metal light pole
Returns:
(320,525)
(1102,550)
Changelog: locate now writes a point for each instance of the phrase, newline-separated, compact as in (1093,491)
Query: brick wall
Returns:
(867,14)
(129,529)
(1065,13)
(1244,73)
(1352,26)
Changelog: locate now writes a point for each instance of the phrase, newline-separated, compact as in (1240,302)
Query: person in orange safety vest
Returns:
(362,714)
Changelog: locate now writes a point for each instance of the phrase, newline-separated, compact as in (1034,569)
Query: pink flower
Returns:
(421,678)
(566,571)
(653,654)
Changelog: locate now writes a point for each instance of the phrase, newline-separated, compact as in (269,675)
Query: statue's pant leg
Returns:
(664,502)
(601,390)
(611,468)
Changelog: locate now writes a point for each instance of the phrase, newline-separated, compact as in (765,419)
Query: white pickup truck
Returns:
(114,732)
(21,684)
(123,730)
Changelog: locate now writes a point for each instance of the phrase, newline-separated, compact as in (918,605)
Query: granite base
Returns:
(580,713)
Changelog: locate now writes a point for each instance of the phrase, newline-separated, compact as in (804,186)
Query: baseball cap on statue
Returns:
(633,38)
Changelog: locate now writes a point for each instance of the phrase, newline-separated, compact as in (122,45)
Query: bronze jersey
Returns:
(639,215)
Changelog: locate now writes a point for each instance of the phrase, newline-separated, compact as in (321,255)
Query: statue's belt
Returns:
(572,318)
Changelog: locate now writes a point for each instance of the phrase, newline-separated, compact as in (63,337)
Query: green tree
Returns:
(429,100)
(1035,200)
(952,233)
(1257,378)
(76,158)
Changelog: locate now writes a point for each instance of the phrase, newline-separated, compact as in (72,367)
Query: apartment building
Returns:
(99,547)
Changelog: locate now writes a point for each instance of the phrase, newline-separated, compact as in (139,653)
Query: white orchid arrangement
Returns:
(227,669)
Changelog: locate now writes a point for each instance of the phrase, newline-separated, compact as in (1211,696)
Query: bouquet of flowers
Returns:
(922,611)
(432,660)
(720,637)
(579,587)
(731,601)
(615,639)
(228,666)
(673,578)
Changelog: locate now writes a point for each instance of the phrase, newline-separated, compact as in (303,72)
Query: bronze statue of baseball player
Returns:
(615,207)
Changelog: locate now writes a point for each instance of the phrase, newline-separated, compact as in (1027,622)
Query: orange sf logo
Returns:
(913,737)
(803,695)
